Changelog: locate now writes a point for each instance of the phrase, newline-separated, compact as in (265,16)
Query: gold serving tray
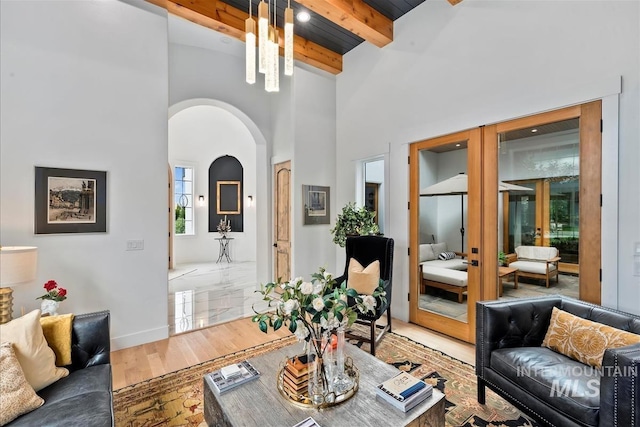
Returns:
(330,399)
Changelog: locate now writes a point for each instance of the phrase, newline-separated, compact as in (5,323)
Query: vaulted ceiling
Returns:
(335,27)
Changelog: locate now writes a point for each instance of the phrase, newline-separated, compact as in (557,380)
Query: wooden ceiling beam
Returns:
(454,2)
(228,20)
(355,16)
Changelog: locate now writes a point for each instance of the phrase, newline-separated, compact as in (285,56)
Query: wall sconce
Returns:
(201,200)
(250,202)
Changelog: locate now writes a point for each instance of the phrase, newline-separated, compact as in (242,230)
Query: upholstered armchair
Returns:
(537,262)
(365,250)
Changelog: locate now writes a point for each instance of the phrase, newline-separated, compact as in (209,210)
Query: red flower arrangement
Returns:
(54,293)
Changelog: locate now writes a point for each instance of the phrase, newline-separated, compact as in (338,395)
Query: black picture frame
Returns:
(316,204)
(70,201)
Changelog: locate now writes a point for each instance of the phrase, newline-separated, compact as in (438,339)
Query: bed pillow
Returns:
(36,358)
(363,280)
(16,394)
(582,339)
(57,332)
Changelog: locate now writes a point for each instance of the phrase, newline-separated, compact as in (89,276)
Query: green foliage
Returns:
(353,221)
(179,212)
(180,226)
(502,258)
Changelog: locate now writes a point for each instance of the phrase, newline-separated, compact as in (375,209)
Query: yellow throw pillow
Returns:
(36,358)
(363,280)
(57,332)
(16,395)
(582,339)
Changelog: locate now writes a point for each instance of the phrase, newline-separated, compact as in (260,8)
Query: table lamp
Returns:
(17,265)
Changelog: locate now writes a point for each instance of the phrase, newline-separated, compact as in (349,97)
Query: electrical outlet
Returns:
(135,245)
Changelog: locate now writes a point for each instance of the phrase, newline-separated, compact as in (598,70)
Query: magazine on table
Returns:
(231,376)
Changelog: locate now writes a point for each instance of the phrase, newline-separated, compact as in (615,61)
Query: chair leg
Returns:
(389,318)
(481,391)
(373,337)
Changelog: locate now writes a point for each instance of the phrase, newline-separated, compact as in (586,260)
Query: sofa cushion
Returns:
(36,358)
(438,248)
(582,339)
(16,394)
(57,332)
(452,264)
(364,280)
(445,275)
(567,385)
(542,253)
(537,267)
(426,252)
(81,399)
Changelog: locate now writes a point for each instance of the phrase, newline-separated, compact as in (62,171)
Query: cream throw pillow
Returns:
(36,358)
(582,339)
(57,332)
(16,395)
(363,280)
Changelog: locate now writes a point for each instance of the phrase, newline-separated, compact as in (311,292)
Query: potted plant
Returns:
(502,258)
(353,221)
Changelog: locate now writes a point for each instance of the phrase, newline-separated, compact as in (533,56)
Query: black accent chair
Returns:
(366,249)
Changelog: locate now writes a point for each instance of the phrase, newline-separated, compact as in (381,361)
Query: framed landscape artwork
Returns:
(70,201)
(316,204)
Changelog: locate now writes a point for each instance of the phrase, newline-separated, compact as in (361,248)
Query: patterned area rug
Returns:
(176,399)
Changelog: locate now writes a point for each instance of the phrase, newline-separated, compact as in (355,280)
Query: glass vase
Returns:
(341,382)
(318,386)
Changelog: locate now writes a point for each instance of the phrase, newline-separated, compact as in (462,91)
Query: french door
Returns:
(523,188)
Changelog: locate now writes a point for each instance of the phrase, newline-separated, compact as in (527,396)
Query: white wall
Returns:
(84,85)
(313,164)
(481,62)
(198,136)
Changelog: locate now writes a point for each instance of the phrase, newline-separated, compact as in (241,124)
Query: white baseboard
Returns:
(142,337)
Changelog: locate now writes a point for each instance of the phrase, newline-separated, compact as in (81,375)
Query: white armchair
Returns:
(537,262)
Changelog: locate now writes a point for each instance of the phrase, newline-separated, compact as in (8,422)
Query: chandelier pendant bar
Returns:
(250,50)
(263,35)
(288,41)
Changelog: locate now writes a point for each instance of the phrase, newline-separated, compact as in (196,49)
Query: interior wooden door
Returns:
(282,220)
(429,159)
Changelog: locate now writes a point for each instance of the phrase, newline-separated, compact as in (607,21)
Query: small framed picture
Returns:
(70,201)
(316,204)
(228,198)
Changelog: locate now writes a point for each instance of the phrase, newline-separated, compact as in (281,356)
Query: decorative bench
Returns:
(449,274)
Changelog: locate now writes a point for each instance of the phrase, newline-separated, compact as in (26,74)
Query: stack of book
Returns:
(404,391)
(231,376)
(296,375)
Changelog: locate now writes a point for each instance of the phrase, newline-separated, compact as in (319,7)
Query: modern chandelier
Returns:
(268,62)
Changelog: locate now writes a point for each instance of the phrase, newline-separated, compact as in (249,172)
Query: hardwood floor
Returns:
(146,361)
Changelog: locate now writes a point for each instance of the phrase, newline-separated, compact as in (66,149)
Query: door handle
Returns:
(473,262)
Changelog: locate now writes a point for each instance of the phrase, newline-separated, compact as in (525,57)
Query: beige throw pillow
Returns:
(363,280)
(36,358)
(582,339)
(57,332)
(16,395)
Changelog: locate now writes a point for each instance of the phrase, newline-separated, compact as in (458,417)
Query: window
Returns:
(183,199)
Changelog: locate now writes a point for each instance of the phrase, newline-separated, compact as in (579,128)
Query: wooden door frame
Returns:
(590,222)
(447,325)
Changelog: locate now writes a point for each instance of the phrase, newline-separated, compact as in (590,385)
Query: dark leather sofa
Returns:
(548,386)
(84,397)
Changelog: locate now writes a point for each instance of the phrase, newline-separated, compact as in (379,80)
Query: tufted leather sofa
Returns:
(84,397)
(550,387)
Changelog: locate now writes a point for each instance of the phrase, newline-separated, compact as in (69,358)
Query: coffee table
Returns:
(504,272)
(258,402)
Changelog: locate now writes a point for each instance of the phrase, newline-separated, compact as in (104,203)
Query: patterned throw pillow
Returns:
(16,395)
(363,280)
(582,339)
(447,255)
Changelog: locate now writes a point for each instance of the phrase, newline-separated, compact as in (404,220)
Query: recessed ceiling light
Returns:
(303,16)
(225,39)
(457,145)
(534,130)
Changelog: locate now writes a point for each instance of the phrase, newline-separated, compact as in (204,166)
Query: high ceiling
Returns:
(335,27)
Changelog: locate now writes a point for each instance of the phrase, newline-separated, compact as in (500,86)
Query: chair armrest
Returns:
(509,324)
(461,254)
(90,343)
(620,387)
(555,259)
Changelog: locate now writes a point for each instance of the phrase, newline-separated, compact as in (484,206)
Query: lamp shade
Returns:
(17,264)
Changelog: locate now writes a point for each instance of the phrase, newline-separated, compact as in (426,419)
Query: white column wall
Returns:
(84,86)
